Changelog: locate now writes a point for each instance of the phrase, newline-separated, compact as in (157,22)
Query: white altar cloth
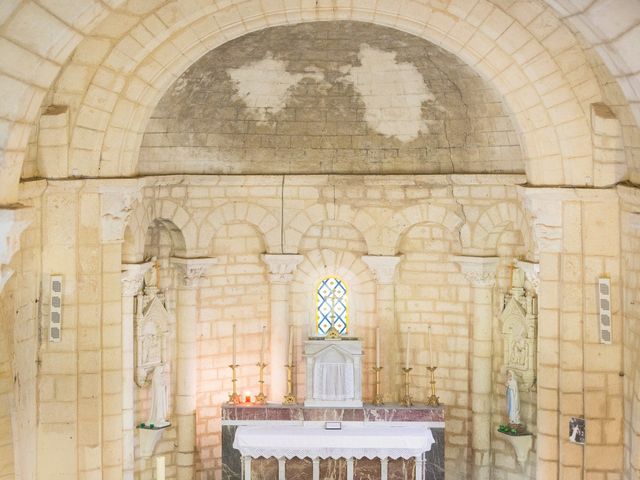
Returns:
(353,441)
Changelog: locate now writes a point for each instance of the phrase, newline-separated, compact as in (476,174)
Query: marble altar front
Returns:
(234,416)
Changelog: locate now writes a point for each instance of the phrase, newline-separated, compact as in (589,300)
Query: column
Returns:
(132,280)
(190,272)
(481,272)
(281,269)
(384,268)
(13,221)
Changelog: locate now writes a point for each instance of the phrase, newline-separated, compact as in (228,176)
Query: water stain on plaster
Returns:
(393,93)
(266,85)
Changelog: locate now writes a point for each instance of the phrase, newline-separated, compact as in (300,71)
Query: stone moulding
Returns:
(521,445)
(149,438)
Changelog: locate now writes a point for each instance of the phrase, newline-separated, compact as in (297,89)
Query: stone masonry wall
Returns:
(339,97)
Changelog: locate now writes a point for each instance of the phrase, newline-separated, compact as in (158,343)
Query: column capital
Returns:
(133,276)
(116,205)
(281,266)
(383,267)
(13,221)
(532,272)
(191,270)
(480,271)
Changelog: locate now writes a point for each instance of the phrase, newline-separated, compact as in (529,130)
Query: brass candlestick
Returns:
(378,400)
(289,398)
(234,398)
(433,400)
(261,398)
(407,401)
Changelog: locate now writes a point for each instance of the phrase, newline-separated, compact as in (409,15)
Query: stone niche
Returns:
(334,373)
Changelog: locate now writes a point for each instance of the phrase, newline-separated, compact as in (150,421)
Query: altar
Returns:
(268,442)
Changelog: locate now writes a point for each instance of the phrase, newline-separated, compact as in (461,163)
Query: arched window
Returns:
(332,309)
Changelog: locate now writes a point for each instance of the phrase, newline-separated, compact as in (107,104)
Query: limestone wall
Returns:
(339,97)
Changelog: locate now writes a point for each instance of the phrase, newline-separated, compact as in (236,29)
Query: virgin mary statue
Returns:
(513,398)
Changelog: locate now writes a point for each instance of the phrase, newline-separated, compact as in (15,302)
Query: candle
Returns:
(160,474)
(406,361)
(233,361)
(430,357)
(262,345)
(290,345)
(377,347)
(247,397)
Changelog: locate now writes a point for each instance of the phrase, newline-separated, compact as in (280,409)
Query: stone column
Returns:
(132,280)
(481,272)
(384,268)
(281,269)
(13,221)
(190,272)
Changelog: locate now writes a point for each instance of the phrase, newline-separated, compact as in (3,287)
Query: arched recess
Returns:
(299,225)
(242,212)
(494,41)
(494,221)
(406,218)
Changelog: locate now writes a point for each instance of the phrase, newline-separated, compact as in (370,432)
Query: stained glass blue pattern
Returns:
(332,306)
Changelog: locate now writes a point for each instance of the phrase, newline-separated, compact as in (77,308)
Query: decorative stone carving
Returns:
(13,221)
(532,273)
(152,328)
(480,271)
(519,323)
(133,277)
(383,267)
(281,266)
(192,270)
(116,205)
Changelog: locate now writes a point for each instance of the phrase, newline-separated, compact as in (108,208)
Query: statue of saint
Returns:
(159,398)
(513,398)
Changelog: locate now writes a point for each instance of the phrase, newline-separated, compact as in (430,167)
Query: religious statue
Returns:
(513,398)
(159,398)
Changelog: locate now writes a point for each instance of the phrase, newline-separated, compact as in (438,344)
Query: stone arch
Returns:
(401,221)
(361,220)
(487,45)
(494,221)
(139,221)
(242,212)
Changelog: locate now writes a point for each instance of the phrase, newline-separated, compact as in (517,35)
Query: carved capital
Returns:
(281,266)
(192,270)
(480,271)
(116,205)
(383,267)
(532,272)
(133,277)
(13,221)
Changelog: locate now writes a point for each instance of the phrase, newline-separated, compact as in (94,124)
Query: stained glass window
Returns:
(332,310)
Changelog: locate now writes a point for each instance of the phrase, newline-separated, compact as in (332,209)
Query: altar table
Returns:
(251,432)
(350,442)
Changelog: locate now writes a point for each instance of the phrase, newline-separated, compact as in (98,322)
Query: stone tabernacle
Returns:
(235,416)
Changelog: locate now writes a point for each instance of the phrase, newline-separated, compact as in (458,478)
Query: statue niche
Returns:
(519,324)
(152,329)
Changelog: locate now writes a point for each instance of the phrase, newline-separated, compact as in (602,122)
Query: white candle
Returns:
(160,475)
(290,345)
(430,357)
(406,361)
(233,361)
(378,347)
(262,345)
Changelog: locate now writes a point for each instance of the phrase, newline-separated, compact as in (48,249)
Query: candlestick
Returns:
(290,362)
(406,360)
(261,398)
(160,468)
(262,345)
(289,398)
(233,340)
(407,401)
(378,399)
(377,347)
(233,396)
(430,349)
(433,400)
